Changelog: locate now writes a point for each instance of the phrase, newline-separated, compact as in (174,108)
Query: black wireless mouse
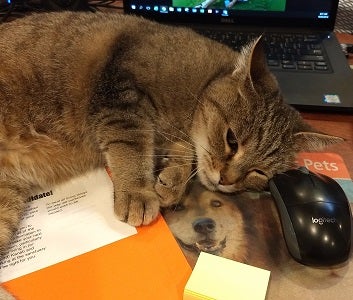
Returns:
(315,215)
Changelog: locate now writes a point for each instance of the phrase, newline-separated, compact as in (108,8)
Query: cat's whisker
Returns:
(208,151)
(174,166)
(175,207)
(201,104)
(184,157)
(174,150)
(168,137)
(190,177)
(171,152)
(196,98)
(193,173)
(191,157)
(165,134)
(176,155)
(178,129)
(188,136)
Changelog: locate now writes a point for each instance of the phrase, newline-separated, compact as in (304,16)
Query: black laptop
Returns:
(301,49)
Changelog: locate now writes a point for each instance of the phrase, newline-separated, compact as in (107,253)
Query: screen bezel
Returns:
(269,19)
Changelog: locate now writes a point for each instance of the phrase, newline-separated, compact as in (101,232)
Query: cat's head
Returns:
(243,131)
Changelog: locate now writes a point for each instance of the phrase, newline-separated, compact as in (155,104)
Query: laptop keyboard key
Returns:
(273,62)
(305,67)
(312,57)
(321,68)
(288,66)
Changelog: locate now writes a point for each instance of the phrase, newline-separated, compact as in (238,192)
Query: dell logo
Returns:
(227,20)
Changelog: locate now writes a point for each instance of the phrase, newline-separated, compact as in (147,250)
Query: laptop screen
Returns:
(267,13)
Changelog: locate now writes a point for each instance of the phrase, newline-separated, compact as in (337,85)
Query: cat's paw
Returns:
(5,295)
(136,208)
(170,185)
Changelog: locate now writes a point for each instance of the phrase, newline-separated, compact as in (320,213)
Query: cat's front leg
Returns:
(136,207)
(176,170)
(4,295)
(12,201)
(128,146)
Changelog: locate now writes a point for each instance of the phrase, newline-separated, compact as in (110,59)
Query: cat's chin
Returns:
(210,185)
(226,188)
(207,182)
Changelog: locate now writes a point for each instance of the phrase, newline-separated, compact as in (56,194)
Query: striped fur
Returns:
(80,90)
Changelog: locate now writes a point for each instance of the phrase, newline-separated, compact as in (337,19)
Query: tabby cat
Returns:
(79,91)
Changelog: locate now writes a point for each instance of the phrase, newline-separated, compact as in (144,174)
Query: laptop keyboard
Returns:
(293,52)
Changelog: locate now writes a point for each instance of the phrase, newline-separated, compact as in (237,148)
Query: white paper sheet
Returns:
(61,223)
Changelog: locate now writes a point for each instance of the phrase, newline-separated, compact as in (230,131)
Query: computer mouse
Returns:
(315,216)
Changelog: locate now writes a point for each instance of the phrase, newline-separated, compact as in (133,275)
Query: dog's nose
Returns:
(204,225)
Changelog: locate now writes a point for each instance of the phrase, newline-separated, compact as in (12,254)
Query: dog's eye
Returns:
(216,203)
(177,207)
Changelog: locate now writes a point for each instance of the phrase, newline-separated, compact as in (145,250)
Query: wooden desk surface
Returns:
(346,38)
(337,124)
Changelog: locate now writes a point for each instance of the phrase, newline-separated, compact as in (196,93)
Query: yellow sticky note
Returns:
(218,278)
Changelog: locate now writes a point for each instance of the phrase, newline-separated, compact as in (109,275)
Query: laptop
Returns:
(318,78)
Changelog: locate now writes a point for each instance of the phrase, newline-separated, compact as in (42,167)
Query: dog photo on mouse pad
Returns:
(245,227)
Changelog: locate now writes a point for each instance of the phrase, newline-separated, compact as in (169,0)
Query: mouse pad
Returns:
(246,228)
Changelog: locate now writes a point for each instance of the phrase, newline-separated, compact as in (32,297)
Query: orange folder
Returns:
(148,265)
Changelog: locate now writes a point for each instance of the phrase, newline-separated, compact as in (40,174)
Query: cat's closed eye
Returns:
(257,172)
(232,141)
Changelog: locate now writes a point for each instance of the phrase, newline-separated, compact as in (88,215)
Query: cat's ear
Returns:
(254,66)
(257,64)
(315,141)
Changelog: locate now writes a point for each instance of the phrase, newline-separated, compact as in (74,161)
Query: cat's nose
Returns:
(204,225)
(223,180)
(228,176)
